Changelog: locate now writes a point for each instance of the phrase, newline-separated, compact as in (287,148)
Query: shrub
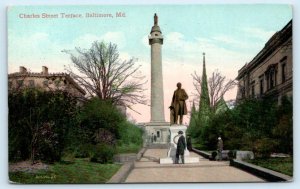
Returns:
(263,147)
(130,133)
(68,158)
(84,151)
(98,114)
(38,123)
(103,153)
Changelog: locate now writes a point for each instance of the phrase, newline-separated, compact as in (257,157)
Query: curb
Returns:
(267,174)
(122,174)
(202,153)
(126,168)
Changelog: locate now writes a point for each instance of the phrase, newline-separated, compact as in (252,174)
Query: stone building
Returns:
(45,81)
(270,73)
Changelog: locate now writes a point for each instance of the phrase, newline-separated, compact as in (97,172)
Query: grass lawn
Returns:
(81,171)
(282,165)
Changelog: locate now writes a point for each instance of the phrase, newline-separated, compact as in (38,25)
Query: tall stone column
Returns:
(157,92)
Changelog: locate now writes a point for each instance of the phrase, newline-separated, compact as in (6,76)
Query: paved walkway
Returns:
(148,170)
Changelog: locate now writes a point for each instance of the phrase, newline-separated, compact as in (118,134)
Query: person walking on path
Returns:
(220,148)
(181,145)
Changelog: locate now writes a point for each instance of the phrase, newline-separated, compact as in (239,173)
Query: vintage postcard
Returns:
(150,93)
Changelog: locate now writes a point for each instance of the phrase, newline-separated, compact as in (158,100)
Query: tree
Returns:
(38,123)
(100,71)
(217,87)
(204,112)
(210,92)
(192,129)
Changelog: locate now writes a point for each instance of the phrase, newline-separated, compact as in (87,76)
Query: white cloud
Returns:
(190,51)
(258,33)
(114,37)
(174,38)
(34,51)
(124,56)
(145,41)
(86,40)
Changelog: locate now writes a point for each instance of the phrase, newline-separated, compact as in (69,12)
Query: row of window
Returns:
(31,83)
(270,77)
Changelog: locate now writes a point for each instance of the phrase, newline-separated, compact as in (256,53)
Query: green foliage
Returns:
(200,120)
(38,123)
(128,148)
(80,172)
(102,132)
(283,131)
(100,114)
(49,125)
(84,150)
(257,125)
(264,147)
(103,153)
(130,134)
(282,165)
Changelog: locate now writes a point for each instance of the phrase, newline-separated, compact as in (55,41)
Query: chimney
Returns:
(44,70)
(23,69)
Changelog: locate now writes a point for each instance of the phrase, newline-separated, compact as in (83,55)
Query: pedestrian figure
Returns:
(181,145)
(220,148)
(154,138)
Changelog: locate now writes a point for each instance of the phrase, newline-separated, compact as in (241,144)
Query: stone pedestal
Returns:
(170,159)
(159,131)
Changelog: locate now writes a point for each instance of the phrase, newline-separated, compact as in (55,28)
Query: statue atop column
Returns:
(155,19)
(178,105)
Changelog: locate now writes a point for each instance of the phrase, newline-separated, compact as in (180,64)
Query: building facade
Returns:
(44,81)
(270,73)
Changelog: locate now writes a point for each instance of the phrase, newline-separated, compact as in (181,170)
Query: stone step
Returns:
(158,146)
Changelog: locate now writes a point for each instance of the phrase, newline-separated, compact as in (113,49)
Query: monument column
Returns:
(157,93)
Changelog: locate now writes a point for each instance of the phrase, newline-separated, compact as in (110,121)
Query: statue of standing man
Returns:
(178,105)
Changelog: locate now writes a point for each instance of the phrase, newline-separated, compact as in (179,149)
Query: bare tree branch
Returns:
(217,86)
(101,73)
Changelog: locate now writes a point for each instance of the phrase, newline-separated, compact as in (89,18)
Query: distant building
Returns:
(270,73)
(45,81)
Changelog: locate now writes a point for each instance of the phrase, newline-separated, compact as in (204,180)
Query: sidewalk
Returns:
(149,170)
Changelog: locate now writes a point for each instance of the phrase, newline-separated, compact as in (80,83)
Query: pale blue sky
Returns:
(231,35)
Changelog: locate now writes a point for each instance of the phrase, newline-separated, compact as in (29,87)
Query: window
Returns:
(158,134)
(253,89)
(283,72)
(261,85)
(272,82)
(283,69)
(31,83)
(271,76)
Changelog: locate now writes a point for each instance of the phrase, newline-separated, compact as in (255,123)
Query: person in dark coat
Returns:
(181,145)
